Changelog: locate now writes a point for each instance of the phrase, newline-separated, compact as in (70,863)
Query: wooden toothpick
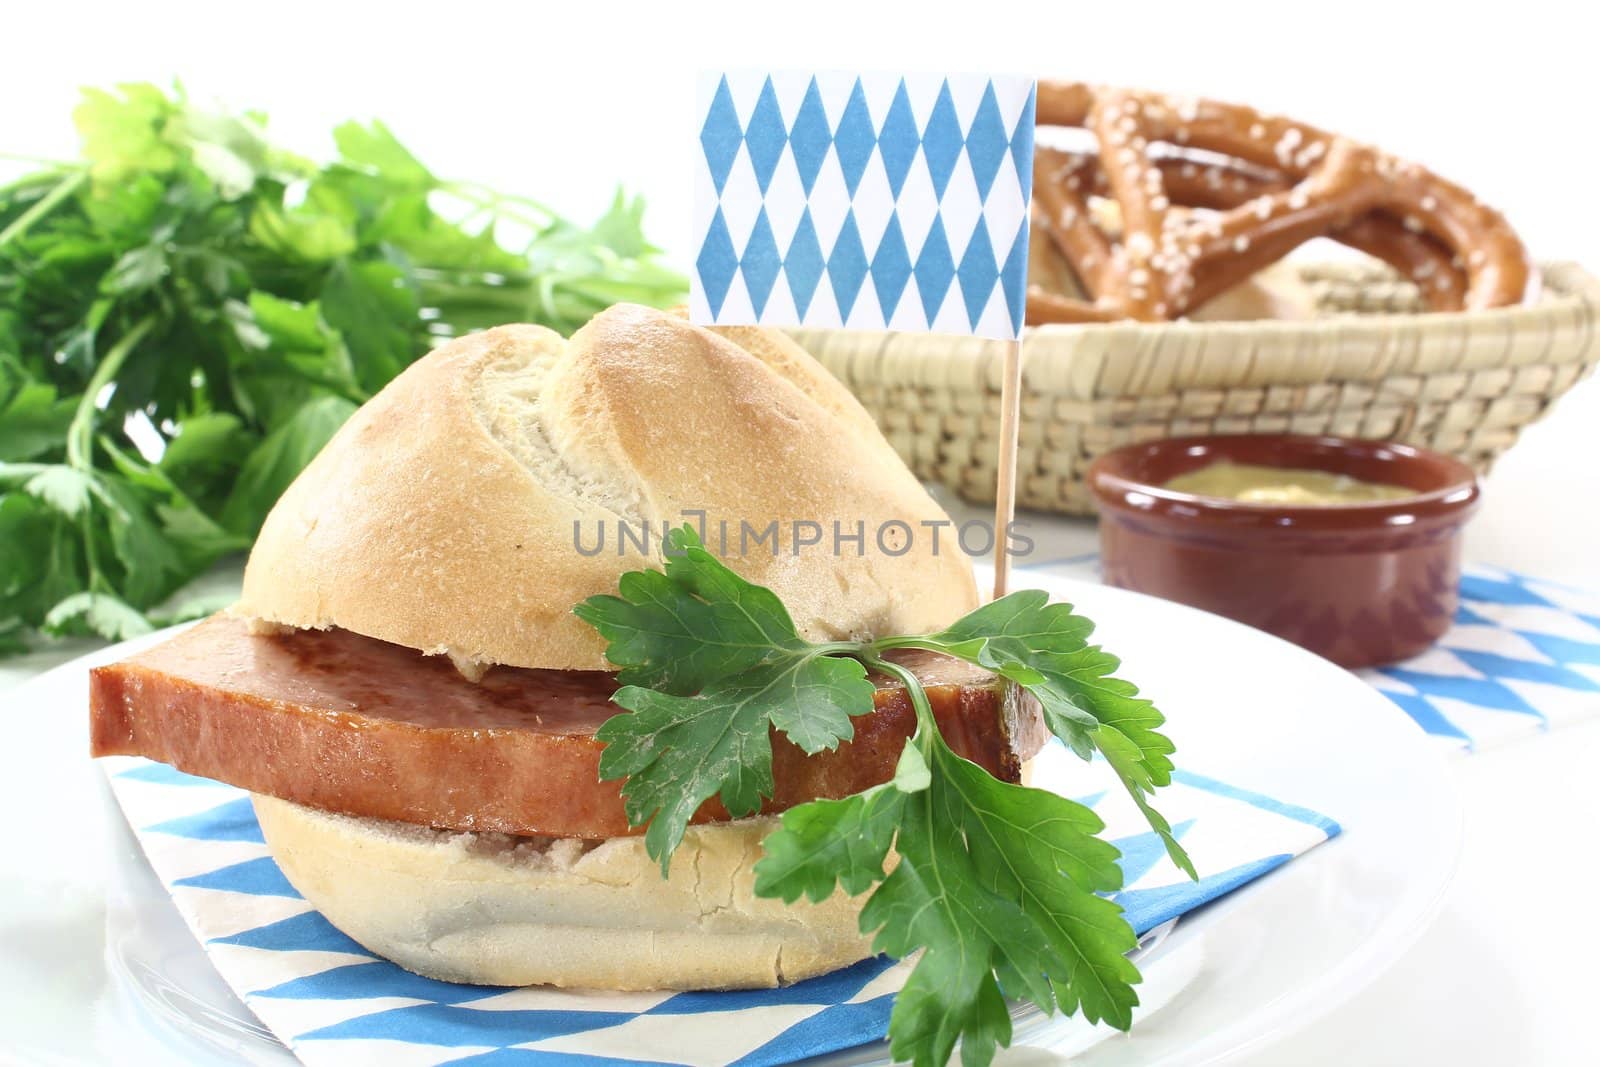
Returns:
(1005,491)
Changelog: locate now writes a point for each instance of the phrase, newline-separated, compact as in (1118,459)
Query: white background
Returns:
(563,102)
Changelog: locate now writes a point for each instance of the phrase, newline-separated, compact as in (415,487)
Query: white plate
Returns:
(98,967)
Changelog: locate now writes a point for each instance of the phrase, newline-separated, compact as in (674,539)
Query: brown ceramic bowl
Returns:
(1361,584)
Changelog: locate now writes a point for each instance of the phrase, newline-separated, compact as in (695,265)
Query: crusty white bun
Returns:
(442,515)
(495,910)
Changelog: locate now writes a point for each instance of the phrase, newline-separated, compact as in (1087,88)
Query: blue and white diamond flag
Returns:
(867,201)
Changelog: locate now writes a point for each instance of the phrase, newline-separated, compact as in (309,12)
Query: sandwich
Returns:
(641,661)
(405,689)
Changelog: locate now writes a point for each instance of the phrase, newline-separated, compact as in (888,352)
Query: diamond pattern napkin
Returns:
(1523,656)
(334,1003)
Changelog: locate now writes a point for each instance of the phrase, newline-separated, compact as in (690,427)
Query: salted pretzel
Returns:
(1216,186)
(1210,193)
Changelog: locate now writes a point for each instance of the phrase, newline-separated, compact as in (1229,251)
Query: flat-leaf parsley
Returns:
(1001,887)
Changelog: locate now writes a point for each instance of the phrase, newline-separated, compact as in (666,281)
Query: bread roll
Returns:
(495,910)
(446,514)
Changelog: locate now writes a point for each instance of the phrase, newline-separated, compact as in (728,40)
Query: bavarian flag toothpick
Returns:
(872,201)
(867,201)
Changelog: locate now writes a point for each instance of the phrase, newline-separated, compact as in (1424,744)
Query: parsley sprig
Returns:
(1000,886)
(188,313)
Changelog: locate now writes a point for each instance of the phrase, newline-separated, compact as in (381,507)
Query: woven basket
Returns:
(1369,366)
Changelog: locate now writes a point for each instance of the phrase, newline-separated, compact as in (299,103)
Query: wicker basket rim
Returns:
(1561,286)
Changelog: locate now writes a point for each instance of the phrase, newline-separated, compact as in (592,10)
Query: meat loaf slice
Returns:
(349,724)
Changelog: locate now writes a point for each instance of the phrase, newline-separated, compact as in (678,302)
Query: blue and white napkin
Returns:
(1522,656)
(334,1003)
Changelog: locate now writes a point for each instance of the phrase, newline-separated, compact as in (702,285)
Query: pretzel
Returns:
(1193,227)
(1415,255)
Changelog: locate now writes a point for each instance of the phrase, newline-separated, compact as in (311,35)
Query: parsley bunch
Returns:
(1000,886)
(189,312)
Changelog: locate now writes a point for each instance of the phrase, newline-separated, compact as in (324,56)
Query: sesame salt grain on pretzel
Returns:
(1209,193)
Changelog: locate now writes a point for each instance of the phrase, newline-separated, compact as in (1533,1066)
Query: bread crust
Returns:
(442,516)
(488,909)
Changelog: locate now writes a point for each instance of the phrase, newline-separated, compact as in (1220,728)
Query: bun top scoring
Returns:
(447,514)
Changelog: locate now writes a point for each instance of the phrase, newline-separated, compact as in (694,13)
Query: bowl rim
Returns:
(1117,490)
